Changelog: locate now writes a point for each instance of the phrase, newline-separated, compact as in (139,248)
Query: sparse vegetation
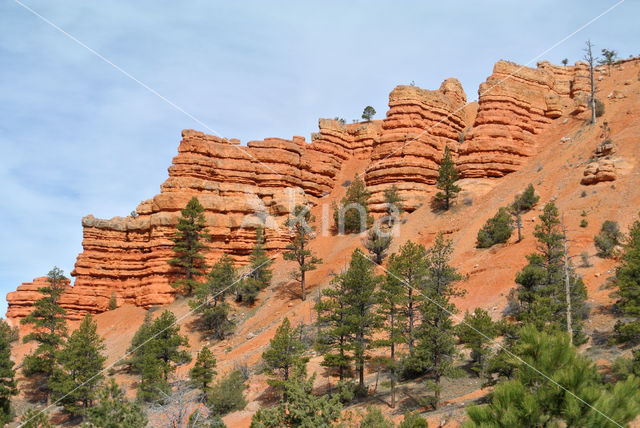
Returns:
(497,230)
(298,250)
(447,176)
(608,239)
(368,113)
(352,215)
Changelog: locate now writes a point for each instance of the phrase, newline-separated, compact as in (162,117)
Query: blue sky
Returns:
(79,137)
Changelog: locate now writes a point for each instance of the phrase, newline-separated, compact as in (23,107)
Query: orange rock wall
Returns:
(260,183)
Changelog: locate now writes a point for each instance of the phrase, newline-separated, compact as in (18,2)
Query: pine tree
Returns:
(210,298)
(227,394)
(527,200)
(300,407)
(203,371)
(8,384)
(392,300)
(259,275)
(360,282)
(155,351)
(532,397)
(285,350)
(50,329)
(374,418)
(74,382)
(377,243)
(34,418)
(188,247)
(333,328)
(113,410)
(627,282)
(475,331)
(393,203)
(409,266)
(608,239)
(436,346)
(447,177)
(497,230)
(298,249)
(541,298)
(352,215)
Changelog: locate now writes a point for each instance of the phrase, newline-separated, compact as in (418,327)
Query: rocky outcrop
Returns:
(516,103)
(21,301)
(418,126)
(599,171)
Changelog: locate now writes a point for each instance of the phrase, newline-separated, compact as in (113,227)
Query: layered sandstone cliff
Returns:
(21,300)
(418,126)
(515,104)
(242,186)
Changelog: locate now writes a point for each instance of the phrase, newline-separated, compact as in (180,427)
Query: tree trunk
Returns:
(393,366)
(302,279)
(567,285)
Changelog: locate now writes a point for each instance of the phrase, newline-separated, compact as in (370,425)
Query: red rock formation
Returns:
(515,104)
(419,124)
(596,172)
(21,301)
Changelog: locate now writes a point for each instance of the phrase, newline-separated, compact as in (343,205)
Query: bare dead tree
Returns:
(567,283)
(588,56)
(175,408)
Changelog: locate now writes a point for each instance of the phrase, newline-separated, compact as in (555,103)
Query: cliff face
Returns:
(419,124)
(260,183)
(21,300)
(515,104)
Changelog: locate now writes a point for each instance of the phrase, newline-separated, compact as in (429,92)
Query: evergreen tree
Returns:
(227,394)
(155,351)
(210,298)
(188,247)
(50,329)
(113,301)
(285,349)
(368,113)
(475,331)
(436,346)
(360,283)
(352,215)
(333,328)
(497,230)
(34,418)
(608,238)
(393,202)
(409,266)
(8,384)
(203,371)
(374,418)
(447,177)
(260,273)
(527,200)
(392,300)
(300,407)
(541,298)
(113,410)
(74,382)
(298,249)
(377,243)
(627,282)
(533,398)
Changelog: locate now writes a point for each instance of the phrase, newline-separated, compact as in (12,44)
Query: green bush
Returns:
(227,395)
(599,108)
(496,230)
(584,223)
(608,238)
(527,200)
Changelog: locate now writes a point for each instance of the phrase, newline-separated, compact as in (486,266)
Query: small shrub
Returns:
(413,420)
(584,223)
(227,395)
(346,391)
(460,137)
(585,259)
(134,214)
(608,238)
(113,302)
(496,230)
(599,108)
(527,200)
(583,194)
(375,419)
